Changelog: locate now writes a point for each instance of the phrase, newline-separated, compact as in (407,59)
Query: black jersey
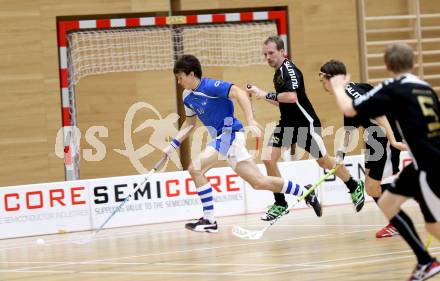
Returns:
(288,78)
(415,108)
(355,91)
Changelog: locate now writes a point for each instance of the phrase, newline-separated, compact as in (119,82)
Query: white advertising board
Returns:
(82,205)
(47,208)
(44,208)
(166,197)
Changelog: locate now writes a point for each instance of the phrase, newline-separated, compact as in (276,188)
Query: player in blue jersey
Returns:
(210,101)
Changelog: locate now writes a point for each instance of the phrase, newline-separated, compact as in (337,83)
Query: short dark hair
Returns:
(277,40)
(399,57)
(188,63)
(332,68)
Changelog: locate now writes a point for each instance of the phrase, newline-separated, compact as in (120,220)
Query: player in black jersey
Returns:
(415,107)
(298,126)
(382,149)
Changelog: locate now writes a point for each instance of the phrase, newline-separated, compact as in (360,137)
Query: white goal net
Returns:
(154,48)
(100,51)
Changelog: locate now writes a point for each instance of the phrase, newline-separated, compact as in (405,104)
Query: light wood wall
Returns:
(377,8)
(306,24)
(29,86)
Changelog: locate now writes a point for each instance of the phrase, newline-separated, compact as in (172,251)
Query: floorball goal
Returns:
(93,46)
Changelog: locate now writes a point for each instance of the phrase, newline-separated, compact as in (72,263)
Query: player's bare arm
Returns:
(273,98)
(259,94)
(287,97)
(186,128)
(385,124)
(184,131)
(243,101)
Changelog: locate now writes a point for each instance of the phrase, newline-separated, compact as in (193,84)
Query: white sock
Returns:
(290,188)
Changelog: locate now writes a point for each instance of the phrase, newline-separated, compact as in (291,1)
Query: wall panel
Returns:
(29,97)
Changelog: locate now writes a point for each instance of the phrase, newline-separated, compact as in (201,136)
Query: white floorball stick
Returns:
(91,237)
(244,233)
(156,167)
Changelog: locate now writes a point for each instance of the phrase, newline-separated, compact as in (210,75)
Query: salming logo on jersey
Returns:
(292,74)
(368,95)
(288,78)
(351,91)
(355,91)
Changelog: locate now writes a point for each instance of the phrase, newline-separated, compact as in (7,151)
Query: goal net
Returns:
(154,48)
(93,51)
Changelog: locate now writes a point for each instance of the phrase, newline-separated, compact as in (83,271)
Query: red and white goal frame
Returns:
(66,25)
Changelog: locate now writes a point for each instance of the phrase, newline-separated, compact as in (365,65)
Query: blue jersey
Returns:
(211,103)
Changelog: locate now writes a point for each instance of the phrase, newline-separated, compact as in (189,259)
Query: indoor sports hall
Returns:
(89,103)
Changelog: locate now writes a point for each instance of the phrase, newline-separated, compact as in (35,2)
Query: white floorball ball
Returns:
(40,241)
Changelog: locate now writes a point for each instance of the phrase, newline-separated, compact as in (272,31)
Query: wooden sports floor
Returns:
(339,246)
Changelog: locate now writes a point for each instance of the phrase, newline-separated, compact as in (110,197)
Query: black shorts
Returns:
(380,156)
(309,139)
(424,187)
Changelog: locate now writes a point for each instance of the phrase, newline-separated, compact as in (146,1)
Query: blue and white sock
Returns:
(291,188)
(206,196)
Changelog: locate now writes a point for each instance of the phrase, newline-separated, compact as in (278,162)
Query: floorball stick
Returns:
(180,135)
(243,233)
(429,242)
(92,236)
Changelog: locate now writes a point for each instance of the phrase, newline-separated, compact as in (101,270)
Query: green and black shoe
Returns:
(274,212)
(358,196)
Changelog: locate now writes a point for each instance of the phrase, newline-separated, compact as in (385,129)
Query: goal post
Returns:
(97,46)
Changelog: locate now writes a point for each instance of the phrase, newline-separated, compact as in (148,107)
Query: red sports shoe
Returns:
(387,231)
(426,271)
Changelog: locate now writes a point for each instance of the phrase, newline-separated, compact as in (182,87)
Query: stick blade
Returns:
(246,234)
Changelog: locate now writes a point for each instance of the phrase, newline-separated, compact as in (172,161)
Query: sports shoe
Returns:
(202,225)
(275,211)
(358,196)
(387,231)
(425,271)
(312,200)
